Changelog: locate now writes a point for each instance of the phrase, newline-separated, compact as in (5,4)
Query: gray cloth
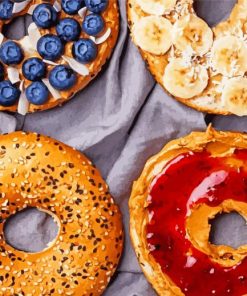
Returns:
(119,120)
(7,123)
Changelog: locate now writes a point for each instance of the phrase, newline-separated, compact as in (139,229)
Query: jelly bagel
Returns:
(67,44)
(202,67)
(36,171)
(179,192)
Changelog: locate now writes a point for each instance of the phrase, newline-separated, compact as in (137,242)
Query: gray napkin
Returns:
(119,121)
(7,123)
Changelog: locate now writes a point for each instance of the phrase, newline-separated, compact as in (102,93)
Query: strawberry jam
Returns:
(187,180)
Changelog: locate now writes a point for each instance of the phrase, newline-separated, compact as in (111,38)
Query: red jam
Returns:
(187,180)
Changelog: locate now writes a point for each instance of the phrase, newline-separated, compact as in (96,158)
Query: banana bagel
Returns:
(201,67)
(181,189)
(66,46)
(37,171)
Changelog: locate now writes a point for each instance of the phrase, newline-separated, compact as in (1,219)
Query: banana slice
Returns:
(229,56)
(153,34)
(156,7)
(185,81)
(234,95)
(191,31)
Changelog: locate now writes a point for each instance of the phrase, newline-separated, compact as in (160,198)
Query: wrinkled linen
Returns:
(120,120)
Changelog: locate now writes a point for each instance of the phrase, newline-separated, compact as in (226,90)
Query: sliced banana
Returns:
(229,56)
(192,32)
(234,96)
(153,34)
(185,81)
(157,7)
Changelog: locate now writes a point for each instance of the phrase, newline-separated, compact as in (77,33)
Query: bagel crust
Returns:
(210,93)
(104,48)
(37,171)
(219,145)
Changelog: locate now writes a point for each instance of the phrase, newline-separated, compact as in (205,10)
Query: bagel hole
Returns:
(17,28)
(228,229)
(30,230)
(213,12)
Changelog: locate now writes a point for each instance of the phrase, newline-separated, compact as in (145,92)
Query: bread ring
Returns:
(36,171)
(195,64)
(67,44)
(183,187)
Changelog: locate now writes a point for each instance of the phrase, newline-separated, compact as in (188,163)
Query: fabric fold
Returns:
(7,123)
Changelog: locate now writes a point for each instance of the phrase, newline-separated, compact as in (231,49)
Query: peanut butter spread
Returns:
(182,188)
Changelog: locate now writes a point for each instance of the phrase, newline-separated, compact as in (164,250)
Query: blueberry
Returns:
(50,47)
(96,6)
(68,29)
(84,50)
(6,10)
(37,93)
(1,72)
(72,6)
(45,16)
(9,94)
(34,69)
(93,24)
(62,77)
(11,53)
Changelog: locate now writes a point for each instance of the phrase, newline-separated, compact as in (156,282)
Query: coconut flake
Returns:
(23,104)
(49,62)
(104,37)
(13,74)
(27,45)
(57,6)
(34,34)
(1,38)
(56,94)
(82,12)
(76,66)
(19,6)
(92,38)
(31,9)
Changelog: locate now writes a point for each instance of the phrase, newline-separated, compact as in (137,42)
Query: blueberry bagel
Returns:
(78,35)
(36,171)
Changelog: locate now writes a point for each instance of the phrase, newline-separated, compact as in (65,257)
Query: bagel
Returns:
(201,67)
(67,44)
(36,171)
(181,189)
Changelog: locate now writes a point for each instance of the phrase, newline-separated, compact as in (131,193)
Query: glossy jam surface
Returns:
(187,180)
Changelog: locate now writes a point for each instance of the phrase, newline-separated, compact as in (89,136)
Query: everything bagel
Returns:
(180,190)
(201,67)
(36,171)
(68,42)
